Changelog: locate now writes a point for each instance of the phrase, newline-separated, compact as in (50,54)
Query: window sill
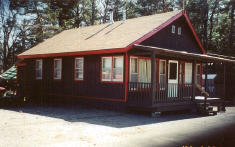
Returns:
(38,78)
(77,80)
(114,82)
(57,79)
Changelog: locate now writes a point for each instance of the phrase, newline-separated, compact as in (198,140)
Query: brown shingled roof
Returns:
(101,37)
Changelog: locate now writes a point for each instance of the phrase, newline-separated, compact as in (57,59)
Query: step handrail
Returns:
(203,92)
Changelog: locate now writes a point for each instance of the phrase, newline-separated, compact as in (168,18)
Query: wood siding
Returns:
(67,87)
(166,39)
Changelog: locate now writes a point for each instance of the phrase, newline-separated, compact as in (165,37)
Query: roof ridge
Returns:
(121,21)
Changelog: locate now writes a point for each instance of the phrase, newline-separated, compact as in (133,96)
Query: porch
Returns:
(167,97)
(140,93)
(174,93)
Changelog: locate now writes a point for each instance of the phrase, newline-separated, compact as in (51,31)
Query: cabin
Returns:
(151,63)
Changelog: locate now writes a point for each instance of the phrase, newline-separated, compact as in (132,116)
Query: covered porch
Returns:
(173,87)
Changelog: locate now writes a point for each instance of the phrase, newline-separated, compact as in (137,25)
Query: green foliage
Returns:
(214,29)
(30,22)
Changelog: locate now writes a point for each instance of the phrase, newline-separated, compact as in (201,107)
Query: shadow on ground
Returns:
(103,117)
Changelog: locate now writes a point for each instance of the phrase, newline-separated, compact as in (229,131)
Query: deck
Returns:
(168,97)
(218,102)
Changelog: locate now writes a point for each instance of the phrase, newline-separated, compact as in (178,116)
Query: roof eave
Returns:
(79,53)
(182,54)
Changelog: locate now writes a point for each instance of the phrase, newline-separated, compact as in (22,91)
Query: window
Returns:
(39,69)
(57,69)
(173,29)
(179,30)
(188,73)
(162,71)
(144,70)
(112,68)
(117,69)
(198,74)
(78,71)
(181,72)
(140,70)
(106,68)
(133,69)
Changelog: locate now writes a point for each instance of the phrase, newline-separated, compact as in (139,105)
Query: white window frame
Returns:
(177,72)
(179,30)
(111,79)
(39,68)
(173,29)
(59,77)
(79,70)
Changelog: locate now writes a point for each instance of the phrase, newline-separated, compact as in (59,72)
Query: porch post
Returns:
(153,77)
(126,76)
(206,72)
(193,80)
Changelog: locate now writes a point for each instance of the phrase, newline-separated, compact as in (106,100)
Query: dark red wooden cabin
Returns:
(151,62)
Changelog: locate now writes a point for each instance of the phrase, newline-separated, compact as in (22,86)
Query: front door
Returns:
(173,79)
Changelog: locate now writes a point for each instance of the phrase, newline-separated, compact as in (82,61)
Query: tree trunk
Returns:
(231,35)
(93,12)
(211,22)
(105,4)
(163,6)
(204,17)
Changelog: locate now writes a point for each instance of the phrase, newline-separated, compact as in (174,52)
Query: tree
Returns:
(25,23)
(38,23)
(214,7)
(131,9)
(93,12)
(8,33)
(147,7)
(232,25)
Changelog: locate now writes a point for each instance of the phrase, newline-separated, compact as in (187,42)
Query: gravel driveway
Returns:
(84,126)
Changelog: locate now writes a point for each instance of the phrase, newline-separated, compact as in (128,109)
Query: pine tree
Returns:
(232,25)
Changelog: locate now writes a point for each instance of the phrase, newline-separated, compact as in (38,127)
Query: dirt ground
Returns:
(84,126)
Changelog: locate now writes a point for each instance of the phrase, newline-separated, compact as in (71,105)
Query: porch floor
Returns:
(203,98)
(212,101)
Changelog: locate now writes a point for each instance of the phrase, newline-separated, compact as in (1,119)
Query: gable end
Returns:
(163,37)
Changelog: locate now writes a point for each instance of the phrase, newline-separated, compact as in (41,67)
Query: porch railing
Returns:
(140,93)
(215,90)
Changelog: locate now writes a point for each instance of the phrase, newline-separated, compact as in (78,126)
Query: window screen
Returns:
(79,68)
(173,71)
(188,73)
(39,69)
(162,66)
(118,69)
(57,68)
